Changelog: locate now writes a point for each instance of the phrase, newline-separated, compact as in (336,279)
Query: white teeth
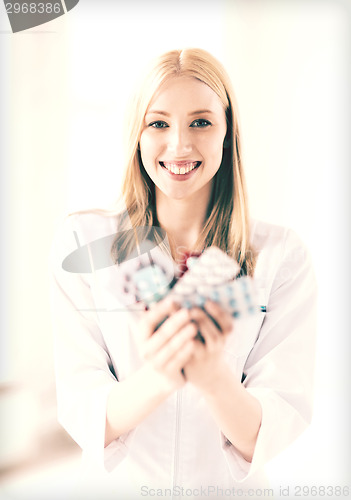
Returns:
(171,167)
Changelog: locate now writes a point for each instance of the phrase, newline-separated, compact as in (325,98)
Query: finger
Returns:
(176,351)
(169,329)
(182,357)
(157,315)
(221,317)
(208,329)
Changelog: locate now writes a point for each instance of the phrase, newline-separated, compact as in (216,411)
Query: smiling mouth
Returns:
(180,167)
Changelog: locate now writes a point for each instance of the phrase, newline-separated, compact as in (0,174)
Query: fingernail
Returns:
(174,305)
(209,303)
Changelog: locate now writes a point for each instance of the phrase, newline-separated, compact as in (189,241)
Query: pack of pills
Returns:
(210,276)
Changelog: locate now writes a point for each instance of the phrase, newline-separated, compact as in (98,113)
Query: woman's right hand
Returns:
(166,340)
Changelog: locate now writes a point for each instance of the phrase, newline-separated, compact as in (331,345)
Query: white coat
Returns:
(179,445)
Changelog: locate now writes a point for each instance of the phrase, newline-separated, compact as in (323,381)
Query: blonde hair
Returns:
(227,225)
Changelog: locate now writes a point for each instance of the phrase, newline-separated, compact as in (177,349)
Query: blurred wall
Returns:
(34,179)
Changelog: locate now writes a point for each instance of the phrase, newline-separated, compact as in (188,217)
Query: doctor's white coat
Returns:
(179,445)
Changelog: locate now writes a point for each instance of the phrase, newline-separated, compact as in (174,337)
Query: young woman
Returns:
(165,411)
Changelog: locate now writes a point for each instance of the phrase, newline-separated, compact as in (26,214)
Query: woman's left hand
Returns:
(207,360)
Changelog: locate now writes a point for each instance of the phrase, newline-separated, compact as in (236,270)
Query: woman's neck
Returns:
(183,220)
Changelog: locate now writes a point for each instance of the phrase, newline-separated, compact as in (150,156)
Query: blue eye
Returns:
(158,124)
(200,123)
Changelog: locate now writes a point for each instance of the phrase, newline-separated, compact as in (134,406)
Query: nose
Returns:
(179,142)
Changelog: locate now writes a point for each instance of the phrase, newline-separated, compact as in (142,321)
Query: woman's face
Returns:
(181,143)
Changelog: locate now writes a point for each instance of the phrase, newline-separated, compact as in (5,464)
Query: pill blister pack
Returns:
(145,279)
(211,276)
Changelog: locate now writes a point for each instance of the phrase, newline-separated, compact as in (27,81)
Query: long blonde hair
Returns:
(227,225)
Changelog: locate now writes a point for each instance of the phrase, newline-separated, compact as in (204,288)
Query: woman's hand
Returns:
(207,361)
(166,339)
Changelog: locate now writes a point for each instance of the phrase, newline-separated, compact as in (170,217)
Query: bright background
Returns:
(64,86)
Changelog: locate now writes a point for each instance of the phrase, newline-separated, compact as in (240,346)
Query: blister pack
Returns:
(212,275)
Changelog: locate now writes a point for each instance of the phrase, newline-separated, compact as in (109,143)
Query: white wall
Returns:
(66,86)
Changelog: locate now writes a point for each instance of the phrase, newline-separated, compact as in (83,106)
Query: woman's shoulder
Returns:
(268,236)
(89,225)
(278,247)
(84,227)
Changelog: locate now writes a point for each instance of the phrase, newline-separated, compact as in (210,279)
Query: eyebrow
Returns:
(197,112)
